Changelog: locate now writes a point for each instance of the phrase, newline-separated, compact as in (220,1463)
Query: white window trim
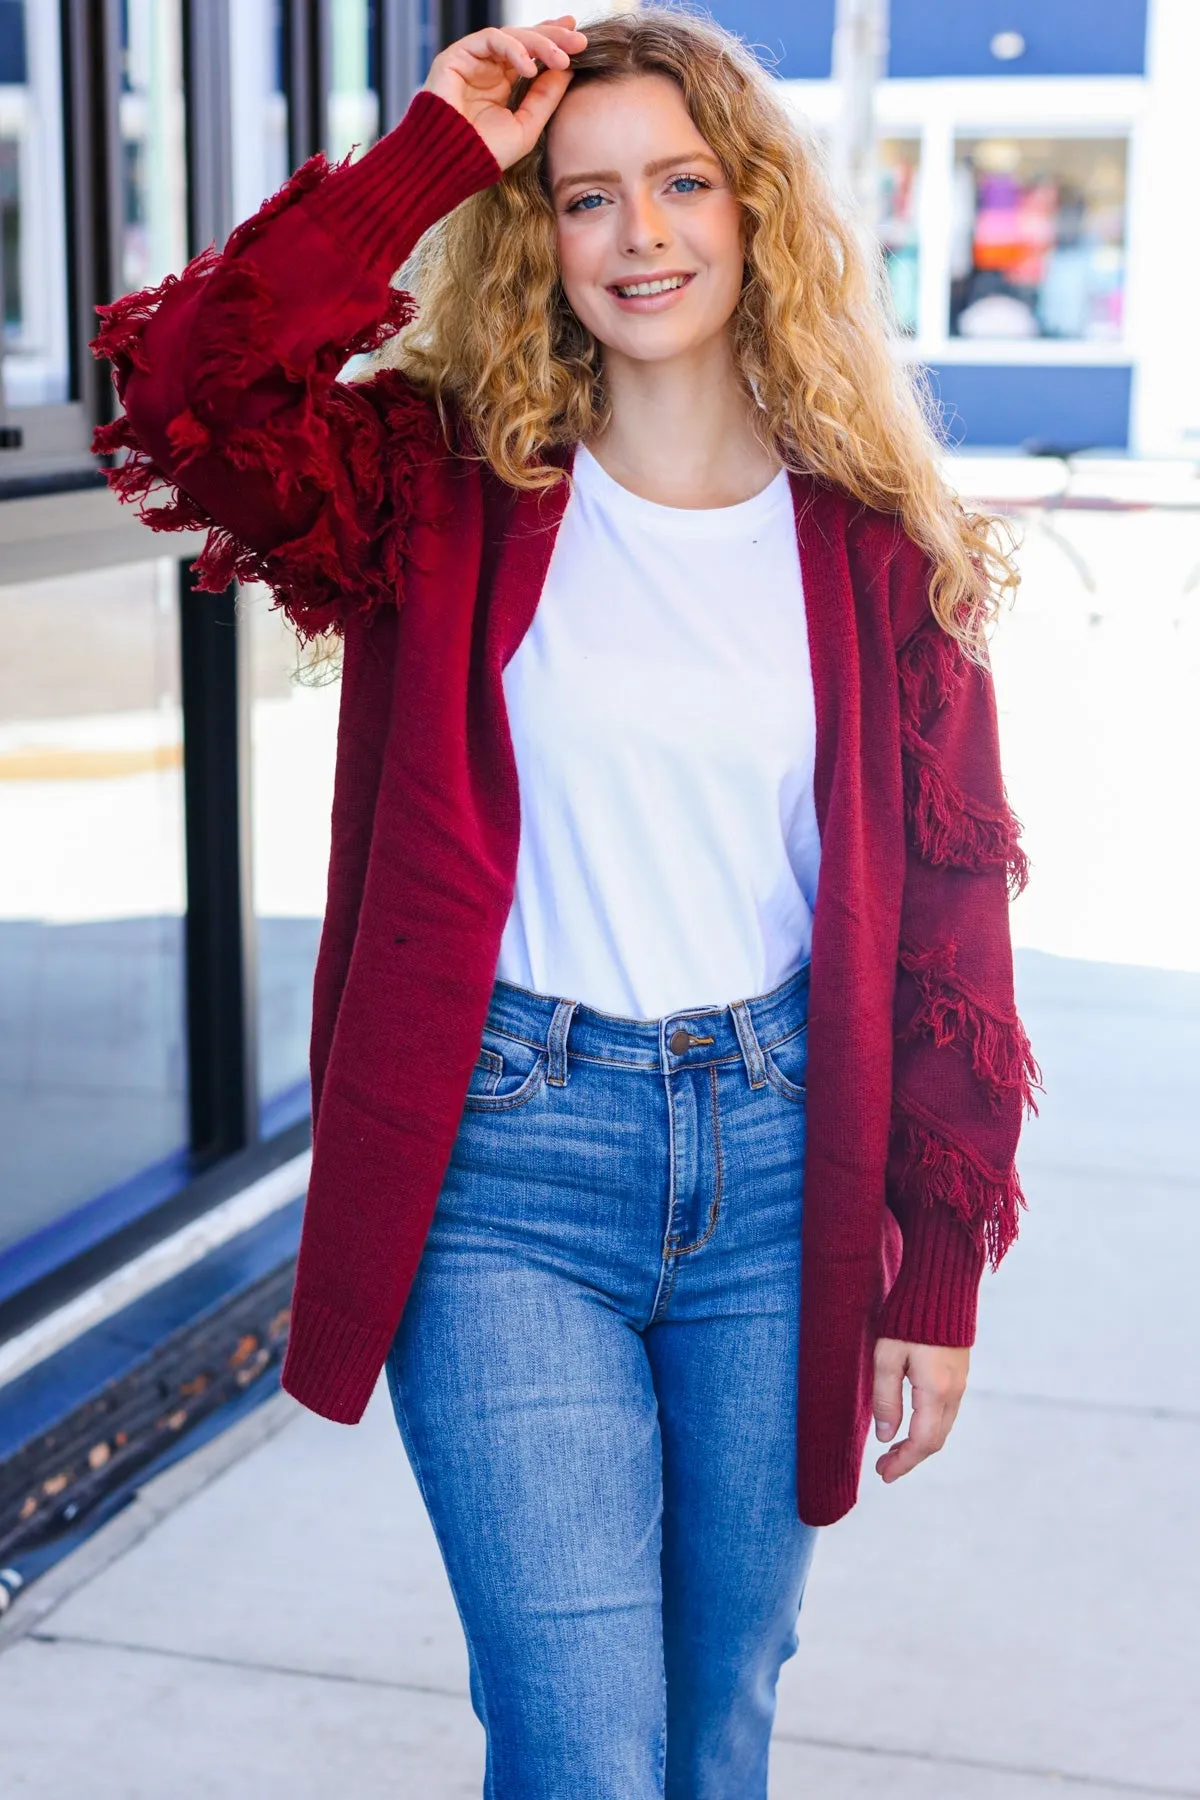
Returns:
(938,113)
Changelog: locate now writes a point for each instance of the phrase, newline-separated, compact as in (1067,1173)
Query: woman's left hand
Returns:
(938,1378)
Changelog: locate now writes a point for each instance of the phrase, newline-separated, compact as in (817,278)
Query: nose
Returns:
(645,226)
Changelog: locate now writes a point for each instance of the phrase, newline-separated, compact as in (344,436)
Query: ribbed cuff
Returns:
(379,206)
(332,1362)
(936,1293)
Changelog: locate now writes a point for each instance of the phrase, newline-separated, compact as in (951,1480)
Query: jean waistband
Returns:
(691,1038)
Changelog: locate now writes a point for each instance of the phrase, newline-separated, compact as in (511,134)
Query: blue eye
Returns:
(583,204)
(696,181)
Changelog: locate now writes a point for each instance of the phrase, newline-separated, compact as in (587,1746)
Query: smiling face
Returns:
(649,234)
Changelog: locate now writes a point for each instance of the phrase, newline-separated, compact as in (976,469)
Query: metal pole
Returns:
(860,37)
(10,435)
(220,944)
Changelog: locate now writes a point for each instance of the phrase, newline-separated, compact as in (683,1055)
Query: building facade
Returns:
(164,782)
(1036,166)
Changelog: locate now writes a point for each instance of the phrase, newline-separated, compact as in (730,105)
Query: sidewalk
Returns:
(1019,1619)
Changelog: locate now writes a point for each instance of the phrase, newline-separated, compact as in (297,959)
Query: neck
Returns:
(681,430)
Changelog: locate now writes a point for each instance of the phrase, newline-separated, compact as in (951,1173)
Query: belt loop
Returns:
(743,1024)
(556,1042)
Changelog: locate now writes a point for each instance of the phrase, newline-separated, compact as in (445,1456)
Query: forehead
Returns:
(619,124)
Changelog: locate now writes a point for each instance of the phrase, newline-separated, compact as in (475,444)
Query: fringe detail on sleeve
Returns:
(363,480)
(950,830)
(935,1171)
(952,1012)
(930,666)
(123,323)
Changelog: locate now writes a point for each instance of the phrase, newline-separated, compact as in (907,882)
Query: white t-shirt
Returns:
(662,715)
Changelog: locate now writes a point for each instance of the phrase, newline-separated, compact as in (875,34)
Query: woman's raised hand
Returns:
(477,74)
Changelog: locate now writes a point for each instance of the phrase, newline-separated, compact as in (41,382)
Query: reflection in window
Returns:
(260,110)
(1039,238)
(154,237)
(354,76)
(92,1088)
(293,734)
(899,163)
(33,265)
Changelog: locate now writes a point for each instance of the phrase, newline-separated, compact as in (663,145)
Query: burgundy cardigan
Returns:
(351,502)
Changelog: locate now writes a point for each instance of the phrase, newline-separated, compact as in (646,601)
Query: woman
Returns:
(662,665)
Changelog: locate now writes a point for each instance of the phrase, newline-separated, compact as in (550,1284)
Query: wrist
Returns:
(427,165)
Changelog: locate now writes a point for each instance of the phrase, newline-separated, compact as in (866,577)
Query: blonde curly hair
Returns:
(813,330)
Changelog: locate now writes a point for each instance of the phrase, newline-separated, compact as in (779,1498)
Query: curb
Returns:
(153,1503)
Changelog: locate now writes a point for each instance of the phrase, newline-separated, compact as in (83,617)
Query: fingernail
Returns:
(884,1432)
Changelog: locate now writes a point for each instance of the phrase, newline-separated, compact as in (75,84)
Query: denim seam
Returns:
(393,1381)
(747,1037)
(515,1037)
(666,1272)
(714,1210)
(787,1089)
(655,1068)
(532,1084)
(556,1042)
(493,1062)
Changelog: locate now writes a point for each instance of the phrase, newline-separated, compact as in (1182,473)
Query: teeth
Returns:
(651,287)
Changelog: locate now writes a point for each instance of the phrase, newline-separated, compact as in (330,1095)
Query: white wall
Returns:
(1165,239)
(530,12)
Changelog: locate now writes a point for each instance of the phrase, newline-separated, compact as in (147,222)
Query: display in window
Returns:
(93,1089)
(33,254)
(899,169)
(354,86)
(1038,244)
(261,151)
(294,714)
(154,226)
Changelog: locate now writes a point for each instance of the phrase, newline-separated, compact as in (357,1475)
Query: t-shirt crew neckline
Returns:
(685,521)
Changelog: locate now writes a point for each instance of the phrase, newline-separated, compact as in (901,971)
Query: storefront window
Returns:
(293,736)
(899,165)
(1039,238)
(259,103)
(354,85)
(33,256)
(154,240)
(92,1063)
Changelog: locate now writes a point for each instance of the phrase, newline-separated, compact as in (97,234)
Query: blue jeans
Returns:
(595,1382)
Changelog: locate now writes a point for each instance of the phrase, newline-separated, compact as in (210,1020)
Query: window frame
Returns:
(938,114)
(231,1141)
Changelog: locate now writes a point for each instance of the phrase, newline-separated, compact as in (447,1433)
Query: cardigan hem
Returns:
(332,1362)
(827,1486)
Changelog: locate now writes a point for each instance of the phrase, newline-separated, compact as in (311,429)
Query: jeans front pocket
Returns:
(787,1065)
(508,1073)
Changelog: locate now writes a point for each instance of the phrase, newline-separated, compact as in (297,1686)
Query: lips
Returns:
(655,290)
(644,285)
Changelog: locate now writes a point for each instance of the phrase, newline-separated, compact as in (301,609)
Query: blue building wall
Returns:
(953,37)
(1006,406)
(792,37)
(1062,37)
(12,43)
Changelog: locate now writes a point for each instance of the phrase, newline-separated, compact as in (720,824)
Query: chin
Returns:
(654,341)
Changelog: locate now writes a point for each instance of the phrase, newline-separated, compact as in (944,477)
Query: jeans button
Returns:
(679,1041)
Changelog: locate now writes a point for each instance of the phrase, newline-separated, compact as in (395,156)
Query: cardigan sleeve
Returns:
(963,1070)
(234,417)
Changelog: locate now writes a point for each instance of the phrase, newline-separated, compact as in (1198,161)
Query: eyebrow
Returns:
(651,168)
